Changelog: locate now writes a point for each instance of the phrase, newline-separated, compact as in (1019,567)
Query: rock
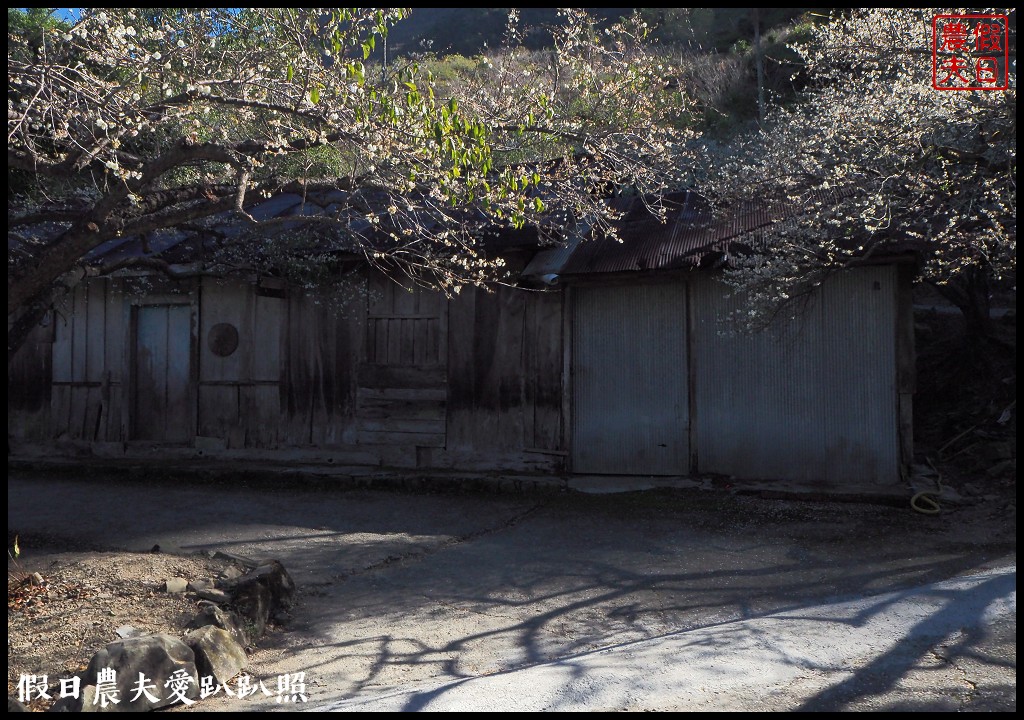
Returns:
(82,703)
(158,657)
(224,619)
(176,585)
(252,601)
(213,595)
(228,576)
(197,585)
(127,631)
(36,579)
(276,578)
(15,706)
(216,652)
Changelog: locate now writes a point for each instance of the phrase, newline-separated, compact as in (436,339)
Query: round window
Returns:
(223,339)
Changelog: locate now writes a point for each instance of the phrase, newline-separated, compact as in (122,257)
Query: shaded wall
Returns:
(389,375)
(813,398)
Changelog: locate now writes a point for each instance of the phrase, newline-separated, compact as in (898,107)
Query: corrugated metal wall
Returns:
(813,399)
(630,380)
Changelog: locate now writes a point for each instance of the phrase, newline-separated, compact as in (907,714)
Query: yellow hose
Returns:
(926,502)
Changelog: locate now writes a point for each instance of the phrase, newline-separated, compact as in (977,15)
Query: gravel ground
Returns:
(398,588)
(55,628)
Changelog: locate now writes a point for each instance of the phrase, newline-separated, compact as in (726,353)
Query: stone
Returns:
(127,631)
(253,601)
(213,595)
(201,584)
(82,703)
(176,585)
(15,706)
(221,618)
(158,657)
(276,578)
(217,654)
(228,576)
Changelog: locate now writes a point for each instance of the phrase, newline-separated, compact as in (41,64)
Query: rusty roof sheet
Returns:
(691,232)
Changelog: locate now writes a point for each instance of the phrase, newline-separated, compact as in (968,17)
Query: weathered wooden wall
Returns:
(240,393)
(394,375)
(505,375)
(87,400)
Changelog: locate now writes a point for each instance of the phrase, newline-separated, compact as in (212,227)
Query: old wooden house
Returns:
(609,359)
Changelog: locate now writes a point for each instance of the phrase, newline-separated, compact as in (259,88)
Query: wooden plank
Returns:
(151,373)
(412,394)
(218,410)
(95,409)
(298,385)
(381,295)
(461,375)
(509,371)
(96,330)
(248,345)
(434,353)
(429,303)
(325,340)
(442,331)
(419,342)
(78,425)
(351,337)
(407,409)
(400,438)
(546,343)
(405,300)
(261,411)
(371,341)
(62,341)
(400,425)
(114,337)
(530,378)
(224,303)
(567,410)
(178,423)
(380,351)
(266,362)
(60,410)
(406,353)
(382,376)
(394,341)
(80,335)
(113,427)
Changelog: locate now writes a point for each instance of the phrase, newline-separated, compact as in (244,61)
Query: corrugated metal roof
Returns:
(691,232)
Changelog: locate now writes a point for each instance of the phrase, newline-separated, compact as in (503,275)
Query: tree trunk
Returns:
(32,313)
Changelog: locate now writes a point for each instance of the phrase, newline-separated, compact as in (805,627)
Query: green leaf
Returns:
(291,73)
(538,205)
(314,95)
